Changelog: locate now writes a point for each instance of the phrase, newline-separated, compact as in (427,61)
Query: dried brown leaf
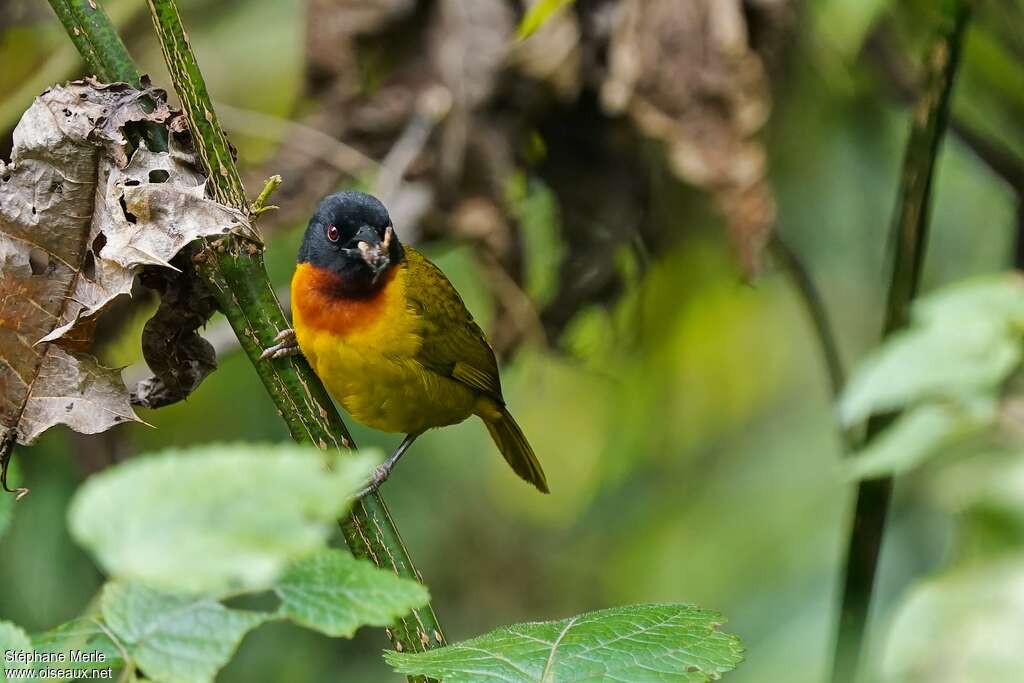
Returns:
(77,222)
(174,351)
(687,74)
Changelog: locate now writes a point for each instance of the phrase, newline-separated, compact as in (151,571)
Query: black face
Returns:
(351,235)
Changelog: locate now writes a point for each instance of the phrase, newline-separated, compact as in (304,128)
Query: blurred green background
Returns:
(686,425)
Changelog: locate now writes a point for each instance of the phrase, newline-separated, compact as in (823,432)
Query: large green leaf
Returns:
(172,638)
(216,518)
(15,641)
(334,593)
(638,643)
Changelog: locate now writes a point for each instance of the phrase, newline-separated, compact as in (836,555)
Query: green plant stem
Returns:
(211,143)
(237,277)
(815,306)
(92,32)
(233,269)
(61,64)
(104,53)
(910,233)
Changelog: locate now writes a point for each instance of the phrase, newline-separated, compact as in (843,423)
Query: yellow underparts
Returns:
(365,353)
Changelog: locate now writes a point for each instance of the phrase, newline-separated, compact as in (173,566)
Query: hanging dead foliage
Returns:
(81,214)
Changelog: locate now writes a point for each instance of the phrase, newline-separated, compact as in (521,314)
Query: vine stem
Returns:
(234,271)
(815,307)
(909,233)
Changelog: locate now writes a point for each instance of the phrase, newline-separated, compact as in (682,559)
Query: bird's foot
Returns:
(286,346)
(383,470)
(380,475)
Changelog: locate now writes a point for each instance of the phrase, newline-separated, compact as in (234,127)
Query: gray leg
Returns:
(383,471)
(286,346)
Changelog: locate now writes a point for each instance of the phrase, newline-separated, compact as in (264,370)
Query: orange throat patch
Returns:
(316,302)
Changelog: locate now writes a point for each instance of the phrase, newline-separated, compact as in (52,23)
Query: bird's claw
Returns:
(286,346)
(379,476)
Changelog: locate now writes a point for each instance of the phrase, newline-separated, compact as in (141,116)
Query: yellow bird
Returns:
(390,337)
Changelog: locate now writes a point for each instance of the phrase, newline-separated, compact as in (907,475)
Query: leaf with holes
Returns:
(78,219)
(173,638)
(334,593)
(637,643)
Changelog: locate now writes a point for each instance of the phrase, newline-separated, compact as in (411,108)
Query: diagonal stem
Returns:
(910,234)
(815,305)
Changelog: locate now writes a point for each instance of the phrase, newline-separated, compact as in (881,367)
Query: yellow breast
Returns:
(365,351)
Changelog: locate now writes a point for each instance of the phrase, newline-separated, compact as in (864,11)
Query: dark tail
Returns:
(512,443)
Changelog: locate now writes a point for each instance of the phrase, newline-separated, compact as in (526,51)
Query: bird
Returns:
(390,337)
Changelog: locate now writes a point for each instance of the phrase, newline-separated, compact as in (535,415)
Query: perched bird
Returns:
(390,337)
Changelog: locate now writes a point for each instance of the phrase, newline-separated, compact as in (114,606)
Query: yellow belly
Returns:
(370,369)
(386,393)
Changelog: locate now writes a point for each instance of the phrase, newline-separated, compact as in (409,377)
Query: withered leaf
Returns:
(179,358)
(687,74)
(78,219)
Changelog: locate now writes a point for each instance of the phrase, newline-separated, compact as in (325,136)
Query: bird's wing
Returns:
(453,344)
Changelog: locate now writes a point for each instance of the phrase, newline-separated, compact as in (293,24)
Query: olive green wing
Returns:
(453,344)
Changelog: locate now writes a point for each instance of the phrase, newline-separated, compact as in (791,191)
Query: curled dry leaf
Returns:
(178,356)
(78,219)
(687,74)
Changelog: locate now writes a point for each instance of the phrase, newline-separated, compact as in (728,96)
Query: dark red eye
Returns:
(332,233)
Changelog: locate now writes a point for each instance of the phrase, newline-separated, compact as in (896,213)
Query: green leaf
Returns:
(216,518)
(14,643)
(73,639)
(173,638)
(963,626)
(931,364)
(539,14)
(986,486)
(917,435)
(638,643)
(334,593)
(994,298)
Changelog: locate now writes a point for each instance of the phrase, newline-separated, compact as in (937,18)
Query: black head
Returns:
(351,235)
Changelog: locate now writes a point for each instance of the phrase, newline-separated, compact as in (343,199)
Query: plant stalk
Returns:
(816,311)
(234,271)
(910,233)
